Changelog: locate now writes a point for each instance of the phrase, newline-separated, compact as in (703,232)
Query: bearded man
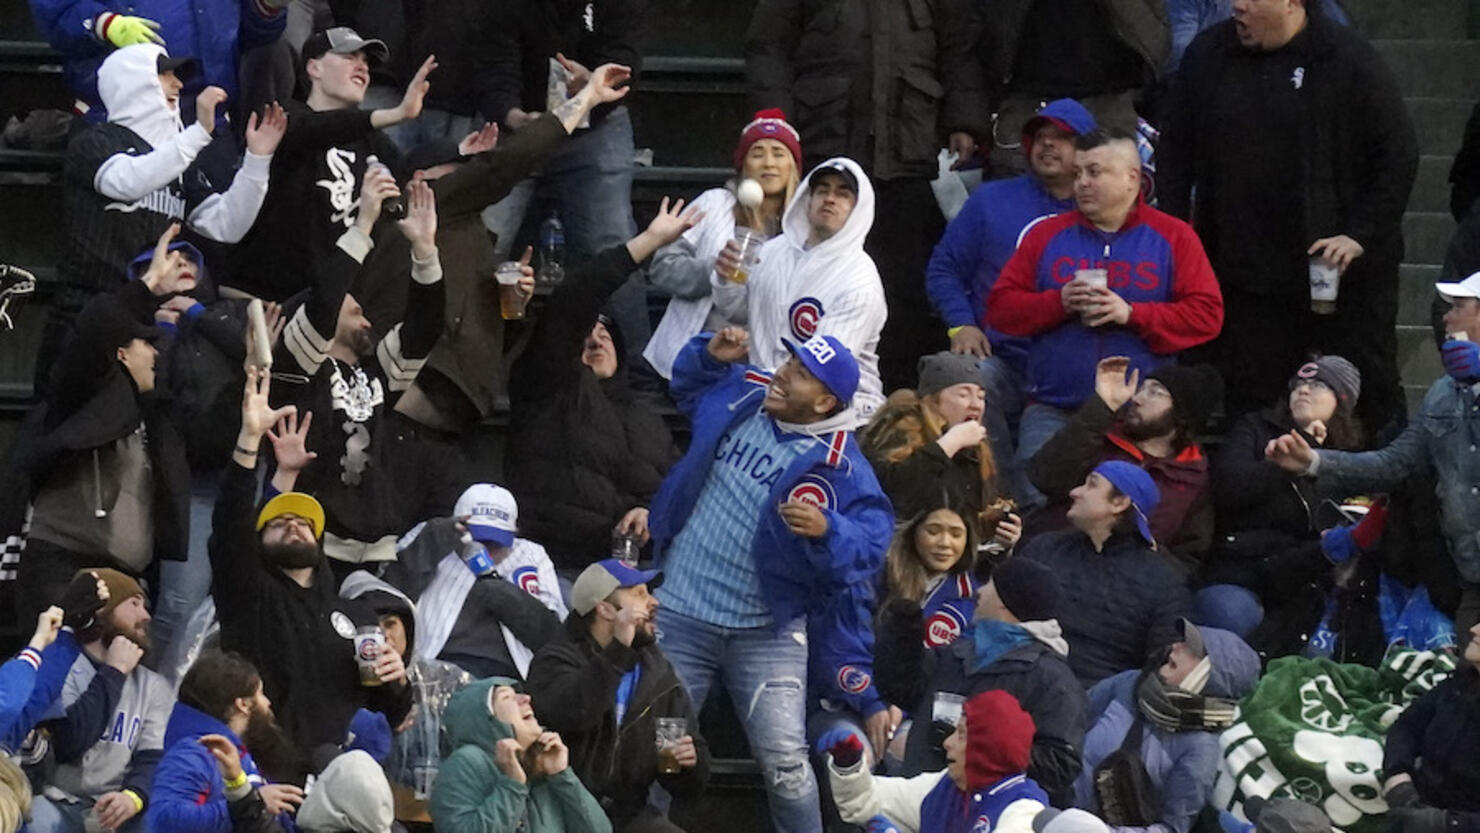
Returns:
(277,600)
(1152,423)
(107,728)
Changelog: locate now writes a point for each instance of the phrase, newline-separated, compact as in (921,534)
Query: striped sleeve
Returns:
(309,331)
(400,371)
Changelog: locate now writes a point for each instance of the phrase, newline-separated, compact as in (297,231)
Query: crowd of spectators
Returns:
(982,522)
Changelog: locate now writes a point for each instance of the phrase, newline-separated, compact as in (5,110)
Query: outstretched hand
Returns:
(164,275)
(290,442)
(609,83)
(671,222)
(483,139)
(420,223)
(263,135)
(258,416)
(1115,381)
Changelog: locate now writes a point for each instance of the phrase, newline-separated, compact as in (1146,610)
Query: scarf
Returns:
(1173,709)
(993,639)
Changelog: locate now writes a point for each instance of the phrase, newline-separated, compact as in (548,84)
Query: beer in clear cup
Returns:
(669,732)
(511,299)
(369,645)
(750,242)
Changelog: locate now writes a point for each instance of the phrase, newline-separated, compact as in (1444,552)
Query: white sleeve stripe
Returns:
(31,657)
(400,371)
(304,343)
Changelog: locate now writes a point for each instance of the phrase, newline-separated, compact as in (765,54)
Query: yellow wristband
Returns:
(238,781)
(952,331)
(138,802)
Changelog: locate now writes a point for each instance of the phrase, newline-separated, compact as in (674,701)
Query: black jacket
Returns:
(1357,152)
(879,82)
(910,676)
(573,683)
(1434,742)
(1141,25)
(1118,605)
(300,639)
(584,450)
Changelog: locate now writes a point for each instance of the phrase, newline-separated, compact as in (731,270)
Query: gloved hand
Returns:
(1403,795)
(1418,819)
(1343,542)
(371,732)
(1462,361)
(126,30)
(80,601)
(844,745)
(879,824)
(1233,824)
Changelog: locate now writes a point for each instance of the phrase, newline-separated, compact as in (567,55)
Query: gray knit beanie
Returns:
(944,369)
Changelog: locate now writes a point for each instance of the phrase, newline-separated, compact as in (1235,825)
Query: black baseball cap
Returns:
(834,166)
(184,68)
(342,40)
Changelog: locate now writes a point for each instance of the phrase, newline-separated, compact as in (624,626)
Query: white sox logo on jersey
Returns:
(814,490)
(527,578)
(944,627)
(853,679)
(804,315)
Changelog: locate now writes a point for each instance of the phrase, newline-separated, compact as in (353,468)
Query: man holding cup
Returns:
(612,695)
(1114,277)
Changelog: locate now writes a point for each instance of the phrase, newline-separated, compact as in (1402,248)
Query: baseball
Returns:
(750,193)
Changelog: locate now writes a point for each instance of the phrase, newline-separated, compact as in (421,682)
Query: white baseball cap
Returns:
(1467,288)
(491,513)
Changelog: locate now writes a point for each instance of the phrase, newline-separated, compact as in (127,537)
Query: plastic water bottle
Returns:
(475,555)
(552,251)
(393,207)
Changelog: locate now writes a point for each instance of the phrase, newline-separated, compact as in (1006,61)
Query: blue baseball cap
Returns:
(1136,484)
(833,364)
(597,581)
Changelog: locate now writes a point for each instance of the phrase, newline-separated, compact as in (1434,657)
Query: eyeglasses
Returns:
(282,521)
(1314,384)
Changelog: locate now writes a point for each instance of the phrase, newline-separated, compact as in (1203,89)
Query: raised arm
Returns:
(228,216)
(129,178)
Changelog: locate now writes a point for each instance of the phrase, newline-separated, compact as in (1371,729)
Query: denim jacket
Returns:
(1444,435)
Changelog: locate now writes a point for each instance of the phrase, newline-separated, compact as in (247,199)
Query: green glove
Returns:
(125,30)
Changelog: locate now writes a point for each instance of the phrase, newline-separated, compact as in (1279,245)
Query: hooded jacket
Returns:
(1182,765)
(128,179)
(832,288)
(913,678)
(473,796)
(1422,744)
(189,794)
(575,683)
(981,239)
(1155,262)
(351,796)
(1183,519)
(214,32)
(794,572)
(584,450)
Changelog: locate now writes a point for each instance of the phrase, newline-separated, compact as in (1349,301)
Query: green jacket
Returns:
(471,794)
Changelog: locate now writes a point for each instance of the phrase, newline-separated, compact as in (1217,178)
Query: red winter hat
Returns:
(769,124)
(999,738)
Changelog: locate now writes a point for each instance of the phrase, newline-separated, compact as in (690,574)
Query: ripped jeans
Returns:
(766,675)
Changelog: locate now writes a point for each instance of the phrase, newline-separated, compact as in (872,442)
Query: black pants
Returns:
(907,225)
(46,569)
(1266,338)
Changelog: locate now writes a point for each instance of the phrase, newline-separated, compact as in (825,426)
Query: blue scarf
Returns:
(992,639)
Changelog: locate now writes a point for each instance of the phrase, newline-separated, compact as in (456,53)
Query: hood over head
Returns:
(128,84)
(385,599)
(470,722)
(1235,665)
(794,223)
(352,796)
(999,738)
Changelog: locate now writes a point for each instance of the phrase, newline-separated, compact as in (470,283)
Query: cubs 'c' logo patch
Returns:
(527,579)
(804,315)
(853,679)
(944,627)
(814,490)
(983,824)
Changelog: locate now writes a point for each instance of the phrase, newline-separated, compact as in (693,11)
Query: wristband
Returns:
(952,331)
(138,802)
(238,782)
(240,450)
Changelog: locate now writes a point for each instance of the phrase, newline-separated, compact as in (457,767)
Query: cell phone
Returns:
(261,357)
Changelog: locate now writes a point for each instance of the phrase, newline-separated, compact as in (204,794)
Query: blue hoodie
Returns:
(189,794)
(29,683)
(1182,765)
(794,572)
(983,236)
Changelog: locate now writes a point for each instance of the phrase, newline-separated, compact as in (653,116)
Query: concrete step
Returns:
(1416,292)
(1439,122)
(1418,359)
(1431,188)
(1426,236)
(1433,19)
(690,110)
(698,27)
(1441,69)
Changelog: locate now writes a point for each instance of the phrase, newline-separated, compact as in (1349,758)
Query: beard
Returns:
(644,636)
(270,746)
(293,555)
(139,636)
(1135,429)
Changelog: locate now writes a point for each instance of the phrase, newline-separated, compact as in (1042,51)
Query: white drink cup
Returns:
(1325,283)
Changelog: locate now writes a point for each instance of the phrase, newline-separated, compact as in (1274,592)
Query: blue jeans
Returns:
(765,671)
(1228,606)
(431,125)
(590,176)
(184,585)
(1039,423)
(49,816)
(1003,412)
